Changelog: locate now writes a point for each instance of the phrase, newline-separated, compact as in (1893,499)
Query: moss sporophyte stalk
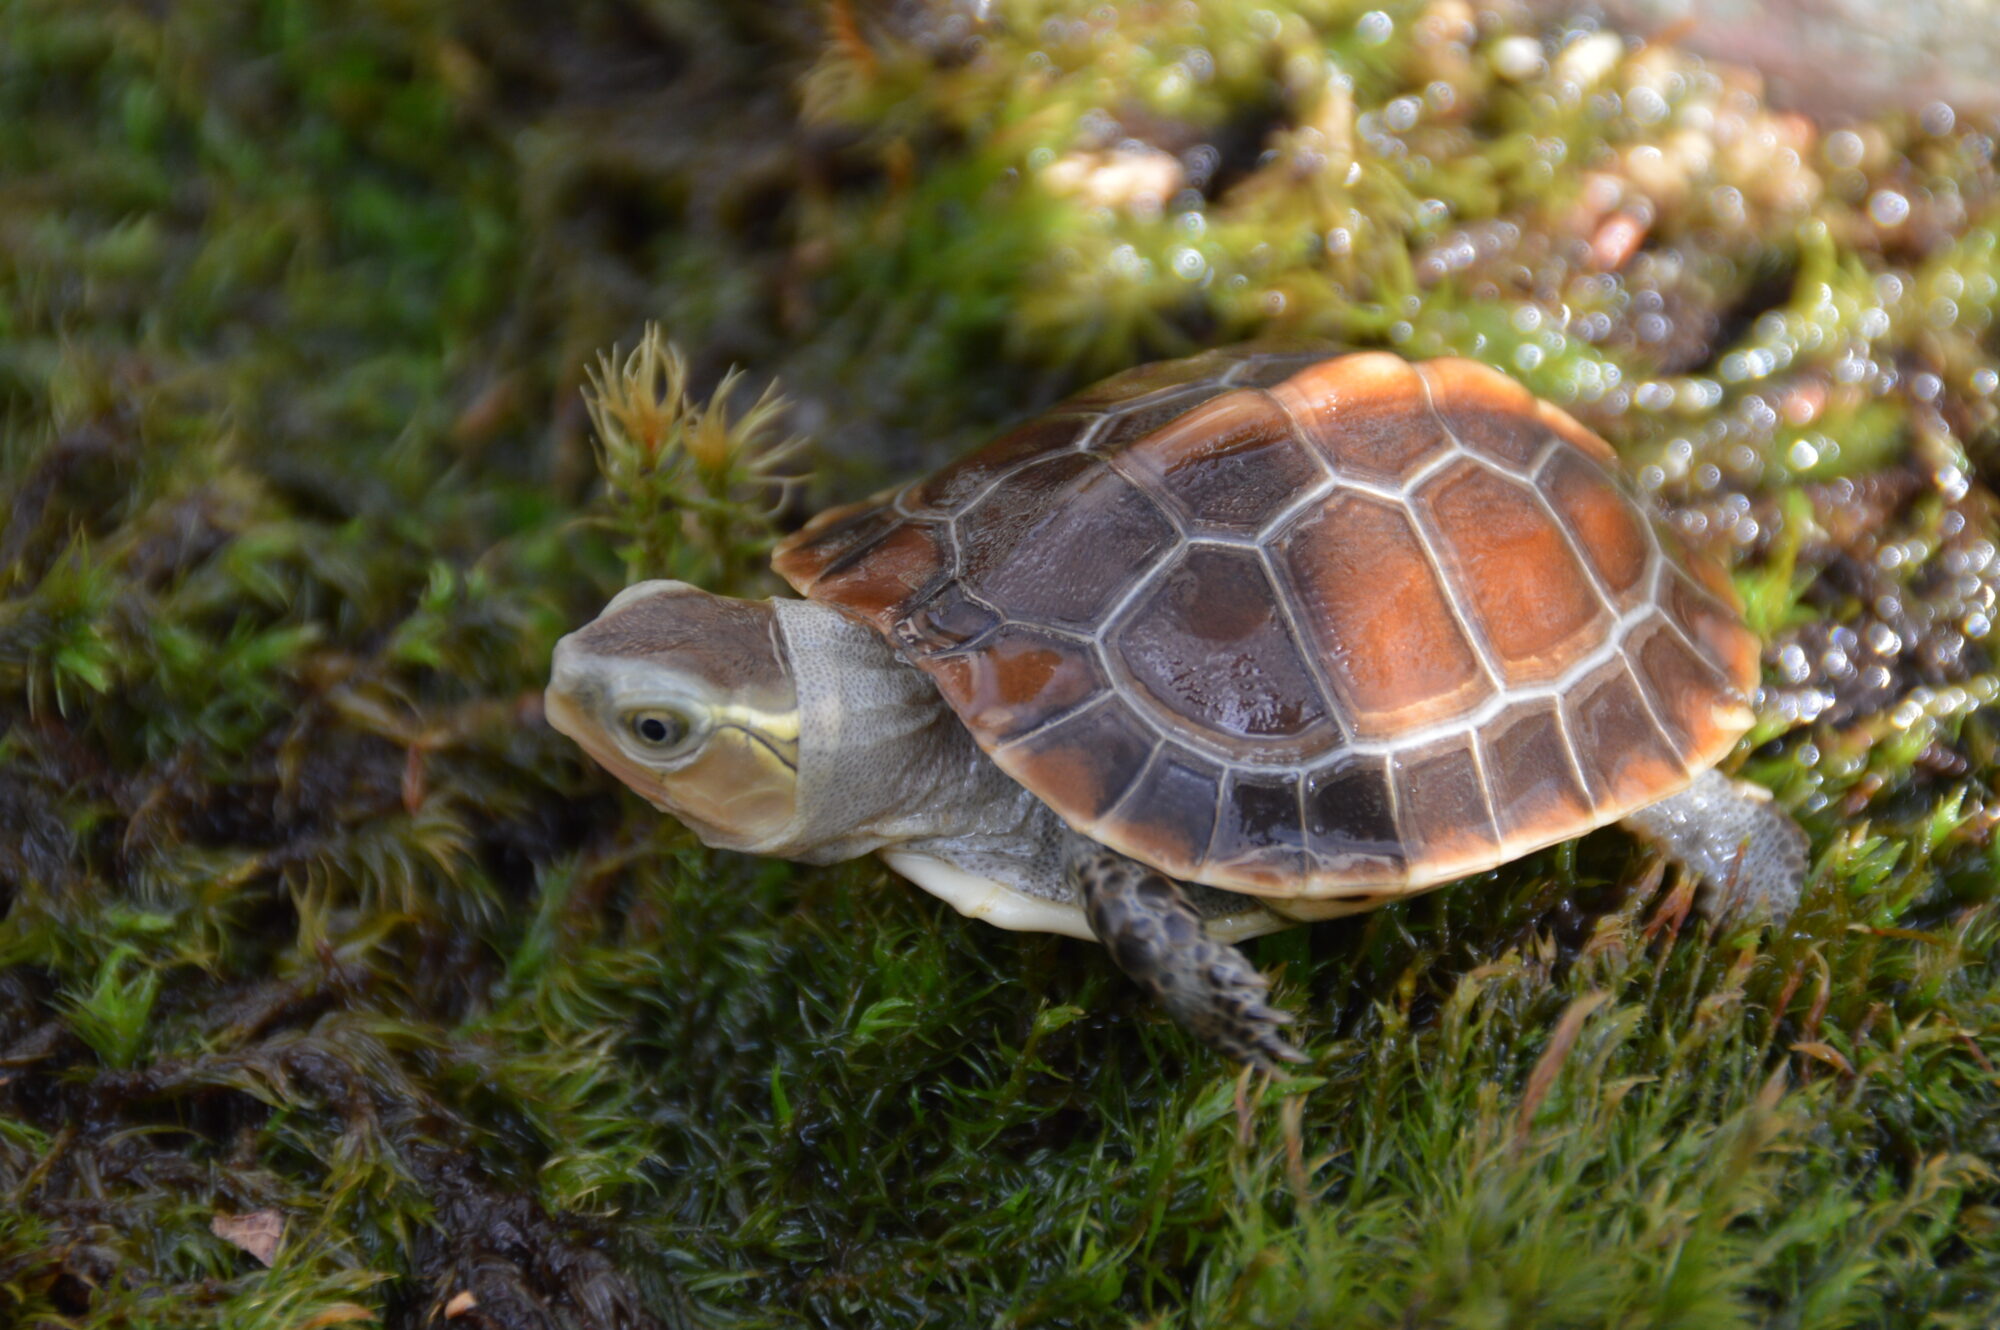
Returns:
(318,945)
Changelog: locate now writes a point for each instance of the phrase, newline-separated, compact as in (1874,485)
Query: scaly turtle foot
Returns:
(1156,936)
(1749,855)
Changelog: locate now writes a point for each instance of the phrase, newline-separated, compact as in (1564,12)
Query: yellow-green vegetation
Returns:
(306,919)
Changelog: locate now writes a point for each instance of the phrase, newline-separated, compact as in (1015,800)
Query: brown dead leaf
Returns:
(258,1232)
(1672,912)
(1826,1053)
(1291,1118)
(1543,1077)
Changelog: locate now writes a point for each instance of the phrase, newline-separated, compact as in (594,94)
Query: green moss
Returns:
(304,910)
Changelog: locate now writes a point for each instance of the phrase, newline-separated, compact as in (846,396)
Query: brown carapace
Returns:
(1304,625)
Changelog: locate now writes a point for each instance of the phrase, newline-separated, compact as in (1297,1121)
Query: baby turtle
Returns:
(1220,645)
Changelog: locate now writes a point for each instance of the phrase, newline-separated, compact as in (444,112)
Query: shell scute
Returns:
(963,481)
(1124,425)
(1488,413)
(1273,367)
(1712,627)
(941,624)
(1171,807)
(837,538)
(1258,831)
(1684,688)
(1206,369)
(1020,677)
(1523,587)
(1229,465)
(1083,763)
(901,564)
(1602,523)
(1210,648)
(1369,596)
(1624,756)
(1445,814)
(1369,414)
(1020,547)
(1350,814)
(1531,774)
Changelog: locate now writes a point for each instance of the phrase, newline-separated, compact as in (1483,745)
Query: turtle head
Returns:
(688,698)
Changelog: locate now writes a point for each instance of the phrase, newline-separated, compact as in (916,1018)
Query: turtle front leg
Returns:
(1155,935)
(1751,857)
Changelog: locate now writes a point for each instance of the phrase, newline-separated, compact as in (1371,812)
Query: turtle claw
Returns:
(1231,1015)
(1155,936)
(1254,1038)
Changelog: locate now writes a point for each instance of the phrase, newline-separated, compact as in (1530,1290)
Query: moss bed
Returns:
(311,930)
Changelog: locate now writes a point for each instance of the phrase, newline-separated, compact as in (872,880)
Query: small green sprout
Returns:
(112,1015)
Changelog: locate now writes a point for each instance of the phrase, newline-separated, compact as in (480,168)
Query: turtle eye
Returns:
(657,728)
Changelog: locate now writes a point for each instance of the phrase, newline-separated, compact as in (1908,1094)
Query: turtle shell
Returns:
(1304,625)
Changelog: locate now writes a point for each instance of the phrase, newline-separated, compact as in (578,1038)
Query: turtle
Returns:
(1256,637)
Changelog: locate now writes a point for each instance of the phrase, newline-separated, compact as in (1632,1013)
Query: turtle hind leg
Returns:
(1729,833)
(1155,935)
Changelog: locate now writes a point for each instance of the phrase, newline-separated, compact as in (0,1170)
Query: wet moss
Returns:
(303,911)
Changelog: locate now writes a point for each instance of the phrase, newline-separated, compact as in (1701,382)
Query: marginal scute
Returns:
(900,565)
(843,535)
(1125,424)
(1523,588)
(1162,374)
(1368,594)
(1083,763)
(1019,678)
(1211,648)
(1318,629)
(943,622)
(1275,367)
(1623,754)
(1351,819)
(1713,627)
(1168,816)
(1443,801)
(1574,434)
(1257,830)
(1486,412)
(964,480)
(1684,688)
(1535,791)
